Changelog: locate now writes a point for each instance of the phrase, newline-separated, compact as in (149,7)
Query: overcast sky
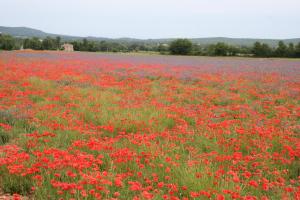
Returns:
(157,18)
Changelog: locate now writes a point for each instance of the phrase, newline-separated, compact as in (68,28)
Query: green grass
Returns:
(4,137)
(15,184)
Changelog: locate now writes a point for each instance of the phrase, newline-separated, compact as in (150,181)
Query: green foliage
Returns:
(220,49)
(14,184)
(197,50)
(162,48)
(7,42)
(4,137)
(49,43)
(281,50)
(291,50)
(32,43)
(297,50)
(176,47)
(104,46)
(181,47)
(57,42)
(261,50)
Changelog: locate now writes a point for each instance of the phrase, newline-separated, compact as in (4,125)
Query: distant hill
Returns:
(24,32)
(243,41)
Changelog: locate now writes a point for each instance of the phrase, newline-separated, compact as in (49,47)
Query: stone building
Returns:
(67,47)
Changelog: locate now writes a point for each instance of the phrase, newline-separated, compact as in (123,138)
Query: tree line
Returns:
(108,46)
(8,42)
(176,47)
(186,47)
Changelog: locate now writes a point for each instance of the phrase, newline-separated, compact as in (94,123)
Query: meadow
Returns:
(111,126)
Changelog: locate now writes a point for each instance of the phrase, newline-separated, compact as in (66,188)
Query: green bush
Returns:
(181,47)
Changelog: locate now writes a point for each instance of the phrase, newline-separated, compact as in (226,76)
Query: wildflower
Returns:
(118,182)
(147,195)
(253,183)
(116,194)
(135,186)
(160,185)
(194,194)
(220,197)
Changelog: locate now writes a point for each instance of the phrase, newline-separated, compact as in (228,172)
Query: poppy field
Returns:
(88,126)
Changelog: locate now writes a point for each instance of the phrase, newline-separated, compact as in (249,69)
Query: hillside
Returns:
(25,32)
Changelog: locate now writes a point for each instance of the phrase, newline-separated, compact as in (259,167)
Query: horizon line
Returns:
(162,38)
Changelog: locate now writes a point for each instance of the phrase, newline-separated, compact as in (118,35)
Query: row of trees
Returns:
(7,42)
(110,46)
(177,47)
(86,45)
(282,50)
(48,43)
(186,47)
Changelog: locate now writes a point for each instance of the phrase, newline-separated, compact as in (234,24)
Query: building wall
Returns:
(68,47)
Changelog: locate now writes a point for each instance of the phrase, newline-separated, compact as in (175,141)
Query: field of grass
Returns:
(80,126)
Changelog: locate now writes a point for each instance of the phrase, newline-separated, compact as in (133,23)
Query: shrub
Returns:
(181,47)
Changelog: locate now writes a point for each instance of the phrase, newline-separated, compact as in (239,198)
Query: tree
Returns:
(134,47)
(197,50)
(220,49)
(76,45)
(91,46)
(281,50)
(162,48)
(257,49)
(84,45)
(7,42)
(297,50)
(33,43)
(103,46)
(233,50)
(261,50)
(57,42)
(245,50)
(291,50)
(49,44)
(181,47)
